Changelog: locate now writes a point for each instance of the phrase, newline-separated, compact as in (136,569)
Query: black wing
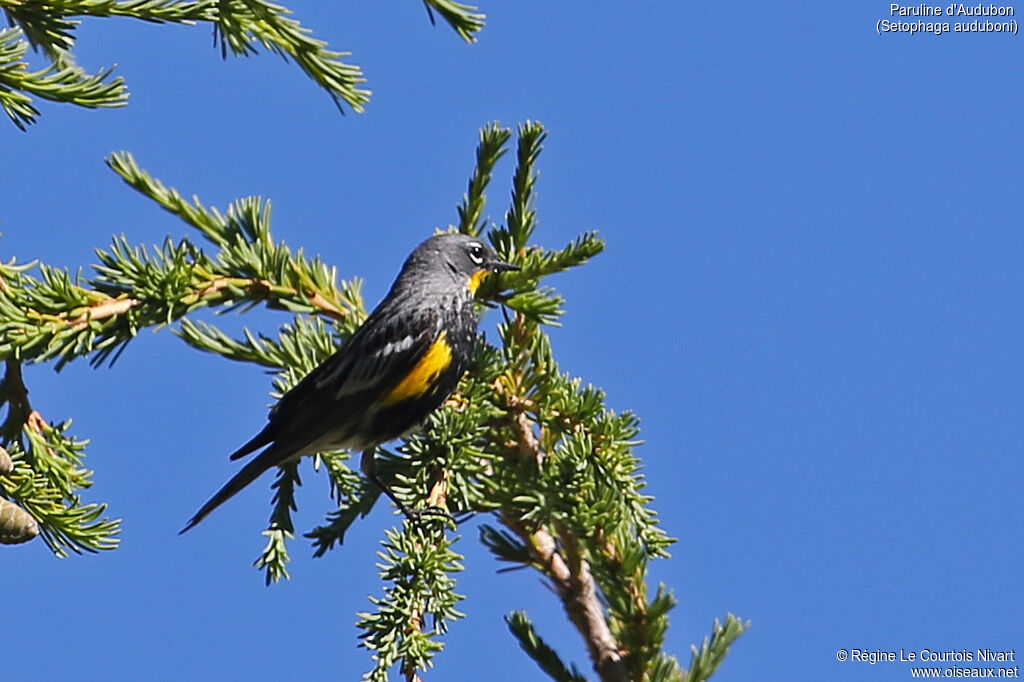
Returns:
(339,391)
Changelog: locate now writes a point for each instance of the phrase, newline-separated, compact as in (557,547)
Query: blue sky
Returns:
(811,295)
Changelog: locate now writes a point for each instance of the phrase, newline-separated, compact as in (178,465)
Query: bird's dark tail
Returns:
(254,444)
(249,473)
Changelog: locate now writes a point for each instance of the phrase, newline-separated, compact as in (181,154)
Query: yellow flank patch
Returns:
(475,279)
(422,377)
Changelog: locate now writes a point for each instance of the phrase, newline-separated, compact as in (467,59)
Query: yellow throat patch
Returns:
(475,279)
(422,377)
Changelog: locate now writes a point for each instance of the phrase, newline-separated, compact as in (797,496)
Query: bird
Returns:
(399,366)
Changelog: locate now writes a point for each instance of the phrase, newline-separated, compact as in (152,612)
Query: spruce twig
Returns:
(240,28)
(520,439)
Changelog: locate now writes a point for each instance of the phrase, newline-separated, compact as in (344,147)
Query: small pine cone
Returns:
(6,463)
(16,526)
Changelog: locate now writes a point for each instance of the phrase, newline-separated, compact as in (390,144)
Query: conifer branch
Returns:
(462,18)
(714,648)
(520,439)
(570,574)
(55,316)
(240,27)
(273,561)
(490,149)
(154,11)
(240,24)
(576,588)
(521,627)
(58,317)
(417,568)
(39,489)
(60,81)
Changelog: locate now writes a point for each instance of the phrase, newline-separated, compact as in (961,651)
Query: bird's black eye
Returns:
(476,253)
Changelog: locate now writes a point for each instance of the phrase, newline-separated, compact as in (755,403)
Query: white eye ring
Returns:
(476,253)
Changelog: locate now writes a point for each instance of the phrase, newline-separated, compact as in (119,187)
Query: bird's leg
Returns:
(368,464)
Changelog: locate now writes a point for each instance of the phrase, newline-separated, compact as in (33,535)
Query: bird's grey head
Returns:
(459,255)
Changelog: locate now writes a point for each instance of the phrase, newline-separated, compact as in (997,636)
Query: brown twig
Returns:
(570,574)
(213,287)
(18,395)
(21,414)
(415,625)
(438,496)
(36,422)
(578,591)
(266,287)
(529,445)
(327,307)
(112,307)
(109,308)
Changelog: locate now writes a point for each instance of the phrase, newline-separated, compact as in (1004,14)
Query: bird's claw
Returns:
(417,515)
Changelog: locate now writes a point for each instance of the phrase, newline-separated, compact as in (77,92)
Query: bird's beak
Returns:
(501,266)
